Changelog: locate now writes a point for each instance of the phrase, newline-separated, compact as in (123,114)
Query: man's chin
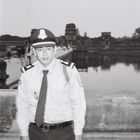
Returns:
(45,63)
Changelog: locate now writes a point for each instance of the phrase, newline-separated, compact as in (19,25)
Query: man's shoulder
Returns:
(68,68)
(27,67)
(68,64)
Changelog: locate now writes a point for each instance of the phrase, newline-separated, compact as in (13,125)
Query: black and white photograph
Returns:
(69,70)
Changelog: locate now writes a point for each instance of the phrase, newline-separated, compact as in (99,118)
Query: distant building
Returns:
(71,34)
(106,36)
(12,47)
(14,43)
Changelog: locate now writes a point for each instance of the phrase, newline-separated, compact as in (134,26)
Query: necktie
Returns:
(39,117)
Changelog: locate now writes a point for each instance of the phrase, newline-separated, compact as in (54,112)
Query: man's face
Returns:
(45,54)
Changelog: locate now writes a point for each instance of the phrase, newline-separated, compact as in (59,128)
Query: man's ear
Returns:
(33,50)
(55,49)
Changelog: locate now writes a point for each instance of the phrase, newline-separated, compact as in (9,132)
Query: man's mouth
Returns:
(45,58)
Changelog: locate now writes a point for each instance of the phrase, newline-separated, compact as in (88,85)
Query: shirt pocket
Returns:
(33,97)
(62,93)
(60,86)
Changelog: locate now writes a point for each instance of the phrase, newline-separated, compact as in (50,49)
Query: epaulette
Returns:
(26,68)
(70,64)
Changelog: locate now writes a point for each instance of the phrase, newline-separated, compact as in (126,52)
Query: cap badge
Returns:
(42,34)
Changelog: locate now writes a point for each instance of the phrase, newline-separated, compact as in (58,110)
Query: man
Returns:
(50,102)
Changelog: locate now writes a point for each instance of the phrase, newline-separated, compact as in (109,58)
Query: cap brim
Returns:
(44,44)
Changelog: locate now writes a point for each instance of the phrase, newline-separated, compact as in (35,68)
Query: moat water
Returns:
(109,73)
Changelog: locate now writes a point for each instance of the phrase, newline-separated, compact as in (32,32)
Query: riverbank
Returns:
(123,51)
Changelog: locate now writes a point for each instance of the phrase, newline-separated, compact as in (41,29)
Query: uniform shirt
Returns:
(65,96)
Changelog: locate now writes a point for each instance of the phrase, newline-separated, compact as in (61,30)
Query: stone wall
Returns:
(113,114)
(7,109)
(106,116)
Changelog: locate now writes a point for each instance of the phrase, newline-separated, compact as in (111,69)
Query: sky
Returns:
(120,17)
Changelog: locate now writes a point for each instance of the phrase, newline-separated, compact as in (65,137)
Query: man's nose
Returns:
(45,51)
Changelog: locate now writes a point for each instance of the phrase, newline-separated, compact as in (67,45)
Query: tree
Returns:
(136,35)
(137,31)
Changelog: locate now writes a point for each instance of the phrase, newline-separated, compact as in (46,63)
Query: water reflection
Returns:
(108,72)
(85,59)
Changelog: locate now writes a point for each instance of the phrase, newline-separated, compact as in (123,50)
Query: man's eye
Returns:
(49,48)
(39,49)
